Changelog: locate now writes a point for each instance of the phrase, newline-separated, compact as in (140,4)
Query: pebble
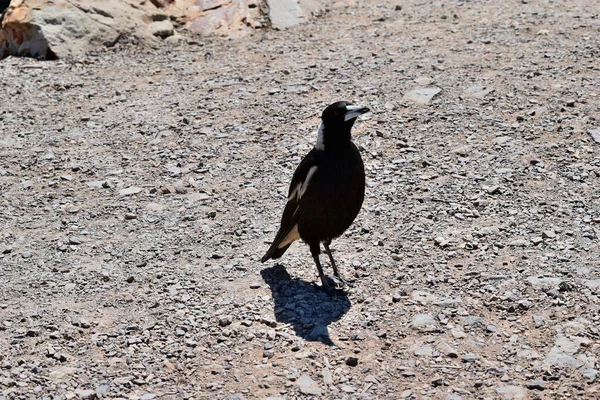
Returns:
(512,392)
(595,134)
(307,385)
(235,397)
(422,96)
(537,384)
(75,240)
(469,357)
(537,240)
(538,321)
(225,320)
(447,350)
(590,375)
(87,394)
(422,322)
(129,191)
(174,172)
(473,321)
(352,361)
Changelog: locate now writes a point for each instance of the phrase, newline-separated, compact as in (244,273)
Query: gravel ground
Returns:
(138,189)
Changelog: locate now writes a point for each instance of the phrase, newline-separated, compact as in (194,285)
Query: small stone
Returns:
(595,134)
(308,386)
(102,390)
(348,388)
(255,285)
(406,394)
(162,29)
(512,392)
(327,377)
(590,375)
(473,321)
(492,189)
(469,357)
(548,234)
(501,140)
(537,240)
(33,332)
(87,394)
(447,350)
(174,172)
(130,216)
(225,320)
(440,241)
(422,350)
(352,361)
(423,322)
(26,255)
(422,96)
(537,384)
(538,321)
(129,191)
(268,353)
(439,381)
(74,240)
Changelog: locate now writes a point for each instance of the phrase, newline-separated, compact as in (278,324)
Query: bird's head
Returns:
(337,119)
(342,114)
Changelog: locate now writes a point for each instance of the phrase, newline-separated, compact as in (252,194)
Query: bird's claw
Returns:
(335,283)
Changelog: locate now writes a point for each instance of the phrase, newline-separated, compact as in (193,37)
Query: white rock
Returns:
(285,13)
(308,386)
(422,96)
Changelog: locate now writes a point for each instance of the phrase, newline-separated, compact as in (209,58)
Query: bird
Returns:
(327,189)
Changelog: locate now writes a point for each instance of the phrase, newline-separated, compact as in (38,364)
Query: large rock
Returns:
(233,18)
(60,28)
(71,28)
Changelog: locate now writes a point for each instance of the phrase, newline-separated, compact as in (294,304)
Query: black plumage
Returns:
(327,189)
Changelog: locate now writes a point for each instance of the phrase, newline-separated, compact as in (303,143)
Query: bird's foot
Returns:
(341,282)
(333,284)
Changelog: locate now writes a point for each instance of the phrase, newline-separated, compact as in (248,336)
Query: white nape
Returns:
(320,145)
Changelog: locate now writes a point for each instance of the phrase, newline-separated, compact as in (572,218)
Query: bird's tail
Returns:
(274,252)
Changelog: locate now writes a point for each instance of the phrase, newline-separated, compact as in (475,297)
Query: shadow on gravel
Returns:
(305,305)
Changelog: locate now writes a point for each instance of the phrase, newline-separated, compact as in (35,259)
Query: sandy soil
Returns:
(138,189)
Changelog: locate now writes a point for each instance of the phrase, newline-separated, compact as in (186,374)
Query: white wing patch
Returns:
(320,145)
(290,237)
(302,186)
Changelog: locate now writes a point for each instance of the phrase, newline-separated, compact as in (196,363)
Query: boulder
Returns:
(58,28)
(53,29)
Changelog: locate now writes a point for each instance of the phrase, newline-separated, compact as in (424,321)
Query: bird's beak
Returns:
(354,111)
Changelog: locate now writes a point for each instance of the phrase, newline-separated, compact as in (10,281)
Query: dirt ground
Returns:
(139,188)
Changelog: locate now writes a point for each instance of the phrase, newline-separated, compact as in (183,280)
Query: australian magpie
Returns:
(327,189)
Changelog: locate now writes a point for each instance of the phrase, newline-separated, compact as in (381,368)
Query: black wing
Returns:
(293,208)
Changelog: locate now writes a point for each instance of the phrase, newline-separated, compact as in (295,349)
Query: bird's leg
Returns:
(315,250)
(335,270)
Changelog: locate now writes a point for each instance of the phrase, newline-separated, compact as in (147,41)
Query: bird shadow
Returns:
(305,306)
